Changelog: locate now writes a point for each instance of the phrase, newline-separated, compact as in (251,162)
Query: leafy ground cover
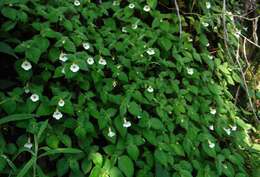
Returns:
(119,88)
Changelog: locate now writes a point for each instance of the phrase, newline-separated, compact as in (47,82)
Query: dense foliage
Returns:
(114,89)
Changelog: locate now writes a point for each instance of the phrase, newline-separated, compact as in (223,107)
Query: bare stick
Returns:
(244,52)
(179,16)
(250,41)
(224,22)
(245,84)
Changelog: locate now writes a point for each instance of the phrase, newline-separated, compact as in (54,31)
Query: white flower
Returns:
(150,51)
(126,123)
(237,33)
(28,145)
(234,128)
(131,5)
(34,97)
(124,30)
(115,3)
(150,89)
(211,127)
(86,45)
(114,83)
(61,103)
(134,26)
(208,5)
(190,39)
(90,61)
(26,65)
(63,70)
(102,61)
(26,90)
(211,145)
(229,13)
(110,133)
(74,68)
(190,71)
(210,57)
(57,115)
(139,117)
(63,57)
(76,2)
(207,44)
(205,24)
(227,130)
(213,111)
(245,28)
(215,28)
(147,8)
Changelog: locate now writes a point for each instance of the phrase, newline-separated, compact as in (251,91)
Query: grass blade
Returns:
(10,163)
(15,117)
(26,167)
(42,128)
(60,151)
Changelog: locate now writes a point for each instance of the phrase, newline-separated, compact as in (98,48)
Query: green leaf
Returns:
(44,110)
(62,167)
(95,172)
(5,48)
(15,117)
(48,32)
(9,106)
(160,171)
(97,158)
(41,43)
(42,128)
(156,124)
(52,141)
(68,25)
(74,165)
(134,109)
(115,172)
(9,13)
(165,43)
(126,165)
(177,148)
(33,54)
(8,25)
(86,166)
(3,164)
(152,3)
(133,151)
(26,167)
(60,151)
(210,151)
(161,157)
(69,46)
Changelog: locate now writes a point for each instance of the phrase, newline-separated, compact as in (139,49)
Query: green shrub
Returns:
(111,89)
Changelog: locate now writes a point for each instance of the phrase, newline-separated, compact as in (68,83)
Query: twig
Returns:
(255,30)
(250,41)
(224,22)
(237,94)
(244,52)
(170,8)
(245,84)
(245,18)
(225,30)
(179,17)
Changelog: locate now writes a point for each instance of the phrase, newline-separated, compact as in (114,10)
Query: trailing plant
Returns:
(115,89)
